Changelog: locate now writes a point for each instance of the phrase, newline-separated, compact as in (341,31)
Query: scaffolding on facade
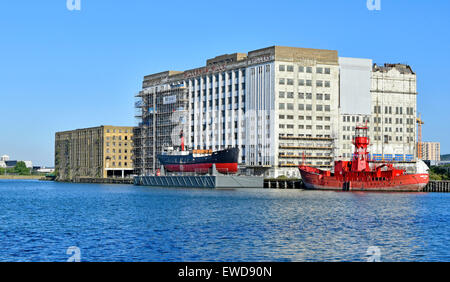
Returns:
(162,114)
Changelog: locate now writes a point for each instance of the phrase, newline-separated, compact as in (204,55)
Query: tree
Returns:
(21,169)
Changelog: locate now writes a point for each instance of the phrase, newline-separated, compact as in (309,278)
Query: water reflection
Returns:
(40,220)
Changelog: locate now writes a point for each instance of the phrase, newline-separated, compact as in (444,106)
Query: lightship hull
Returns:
(313,179)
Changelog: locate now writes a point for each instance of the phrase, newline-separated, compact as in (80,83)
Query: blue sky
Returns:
(62,69)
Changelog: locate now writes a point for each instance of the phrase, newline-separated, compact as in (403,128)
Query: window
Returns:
(281,68)
(319,70)
(301,69)
(290,81)
(301,82)
(301,107)
(308,107)
(309,69)
(327,83)
(281,106)
(319,108)
(319,83)
(308,82)
(281,95)
(319,96)
(290,94)
(327,97)
(308,96)
(290,106)
(281,81)
(290,68)
(301,95)
(327,70)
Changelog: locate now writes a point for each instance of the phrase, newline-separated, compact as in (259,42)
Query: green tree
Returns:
(21,169)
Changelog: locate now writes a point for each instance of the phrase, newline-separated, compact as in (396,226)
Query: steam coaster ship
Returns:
(357,175)
(200,161)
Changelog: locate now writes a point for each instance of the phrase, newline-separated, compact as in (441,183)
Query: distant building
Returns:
(431,151)
(13,163)
(43,169)
(5,162)
(101,152)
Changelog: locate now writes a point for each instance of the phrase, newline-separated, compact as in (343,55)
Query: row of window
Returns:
(304,107)
(305,135)
(119,164)
(117,137)
(290,68)
(398,110)
(355,119)
(114,144)
(318,118)
(114,151)
(229,88)
(303,82)
(308,96)
(217,76)
(119,157)
(114,130)
(302,126)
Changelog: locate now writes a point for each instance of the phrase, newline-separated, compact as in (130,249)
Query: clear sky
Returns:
(61,69)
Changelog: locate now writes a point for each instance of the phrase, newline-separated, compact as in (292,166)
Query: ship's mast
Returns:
(182,140)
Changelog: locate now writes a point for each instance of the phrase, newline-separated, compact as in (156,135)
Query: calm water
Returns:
(40,220)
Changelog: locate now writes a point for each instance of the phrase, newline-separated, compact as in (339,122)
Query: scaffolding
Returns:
(162,114)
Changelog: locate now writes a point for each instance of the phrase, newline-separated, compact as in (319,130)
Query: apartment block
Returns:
(431,151)
(99,152)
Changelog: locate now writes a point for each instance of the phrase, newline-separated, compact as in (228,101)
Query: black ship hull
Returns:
(226,161)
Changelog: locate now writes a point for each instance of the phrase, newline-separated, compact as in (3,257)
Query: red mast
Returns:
(360,161)
(182,140)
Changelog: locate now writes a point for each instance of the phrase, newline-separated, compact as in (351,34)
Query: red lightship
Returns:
(357,175)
